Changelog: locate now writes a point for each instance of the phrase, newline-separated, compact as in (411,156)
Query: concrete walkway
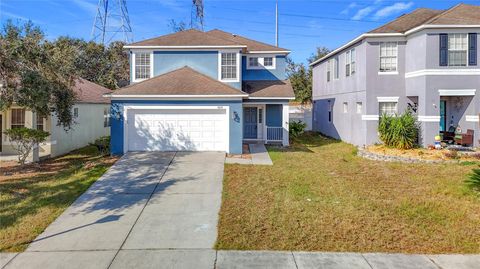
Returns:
(146,201)
(210,259)
(259,155)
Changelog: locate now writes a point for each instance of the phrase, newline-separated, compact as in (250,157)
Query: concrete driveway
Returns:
(158,206)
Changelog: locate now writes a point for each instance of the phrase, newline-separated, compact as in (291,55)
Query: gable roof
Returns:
(252,45)
(213,38)
(461,14)
(89,92)
(181,82)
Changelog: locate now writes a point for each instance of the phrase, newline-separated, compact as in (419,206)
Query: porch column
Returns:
(31,122)
(285,123)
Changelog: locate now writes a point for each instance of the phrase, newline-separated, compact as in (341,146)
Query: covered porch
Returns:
(265,123)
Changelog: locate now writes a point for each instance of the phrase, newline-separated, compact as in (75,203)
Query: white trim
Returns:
(387,73)
(457,92)
(239,62)
(429,118)
(175,96)
(472,118)
(285,124)
(365,35)
(370,117)
(384,99)
(142,107)
(134,79)
(184,47)
(273,98)
(261,61)
(443,72)
(268,51)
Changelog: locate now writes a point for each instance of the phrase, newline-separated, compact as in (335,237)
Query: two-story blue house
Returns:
(201,91)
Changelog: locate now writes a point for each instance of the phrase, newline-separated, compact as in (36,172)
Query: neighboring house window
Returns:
(388,108)
(142,65)
(359,107)
(106,117)
(345,107)
(388,57)
(330,108)
(228,66)
(457,49)
(268,61)
(75,112)
(18,118)
(40,124)
(329,71)
(336,67)
(350,62)
(253,61)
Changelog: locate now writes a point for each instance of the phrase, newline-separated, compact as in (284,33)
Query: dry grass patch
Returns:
(424,154)
(319,196)
(32,197)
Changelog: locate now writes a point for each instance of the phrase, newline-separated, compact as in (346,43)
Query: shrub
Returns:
(297,128)
(473,180)
(103,144)
(24,140)
(400,132)
(451,154)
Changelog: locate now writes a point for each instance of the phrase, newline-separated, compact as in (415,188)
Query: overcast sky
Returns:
(304,24)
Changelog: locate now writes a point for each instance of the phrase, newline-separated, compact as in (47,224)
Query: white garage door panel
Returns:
(177,129)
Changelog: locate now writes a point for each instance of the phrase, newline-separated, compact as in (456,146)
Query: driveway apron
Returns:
(146,202)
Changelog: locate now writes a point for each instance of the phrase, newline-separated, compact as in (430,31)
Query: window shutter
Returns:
(472,49)
(443,49)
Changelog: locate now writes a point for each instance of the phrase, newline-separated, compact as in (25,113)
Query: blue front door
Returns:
(250,122)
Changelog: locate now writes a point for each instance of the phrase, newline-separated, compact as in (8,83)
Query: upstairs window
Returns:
(329,71)
(18,118)
(350,62)
(253,61)
(388,57)
(228,66)
(457,49)
(268,61)
(336,68)
(353,60)
(142,66)
(345,107)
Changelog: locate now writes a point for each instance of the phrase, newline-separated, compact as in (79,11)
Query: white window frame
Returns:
(134,79)
(106,117)
(450,49)
(345,107)
(350,62)
(261,62)
(336,67)
(384,102)
(387,72)
(329,71)
(76,113)
(237,79)
(359,107)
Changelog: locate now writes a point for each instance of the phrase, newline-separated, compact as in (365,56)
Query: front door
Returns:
(250,123)
(443,115)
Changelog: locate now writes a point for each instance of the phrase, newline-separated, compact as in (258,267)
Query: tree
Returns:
(33,73)
(24,140)
(301,76)
(177,26)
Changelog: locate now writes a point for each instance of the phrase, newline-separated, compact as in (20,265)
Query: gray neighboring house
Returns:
(91,113)
(427,60)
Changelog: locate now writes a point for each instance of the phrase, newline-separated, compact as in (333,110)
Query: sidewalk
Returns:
(204,258)
(259,156)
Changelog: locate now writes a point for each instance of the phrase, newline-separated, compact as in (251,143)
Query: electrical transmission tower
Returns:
(196,16)
(112,20)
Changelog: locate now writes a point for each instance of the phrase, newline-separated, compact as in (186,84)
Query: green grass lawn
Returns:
(32,197)
(319,196)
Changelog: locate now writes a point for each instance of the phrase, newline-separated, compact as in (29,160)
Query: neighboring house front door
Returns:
(250,123)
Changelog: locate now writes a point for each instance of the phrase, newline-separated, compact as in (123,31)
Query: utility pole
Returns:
(276,23)
(196,15)
(111,19)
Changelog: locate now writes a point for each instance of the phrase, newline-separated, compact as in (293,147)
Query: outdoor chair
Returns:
(465,139)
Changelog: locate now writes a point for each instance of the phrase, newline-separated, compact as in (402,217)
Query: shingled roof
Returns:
(183,81)
(198,38)
(461,14)
(89,92)
(268,88)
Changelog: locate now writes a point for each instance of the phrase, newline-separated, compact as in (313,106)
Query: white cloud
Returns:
(362,13)
(392,9)
(346,11)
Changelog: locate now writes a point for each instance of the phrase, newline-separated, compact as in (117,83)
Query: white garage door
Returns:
(177,129)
